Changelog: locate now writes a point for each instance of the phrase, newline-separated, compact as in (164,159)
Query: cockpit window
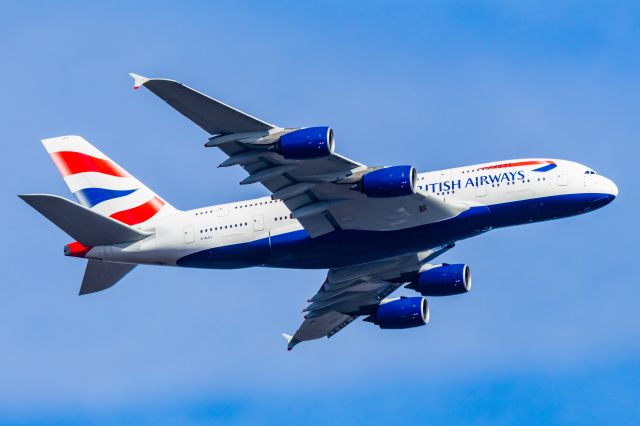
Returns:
(589,172)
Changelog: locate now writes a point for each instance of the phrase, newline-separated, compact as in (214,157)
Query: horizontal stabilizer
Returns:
(101,275)
(83,224)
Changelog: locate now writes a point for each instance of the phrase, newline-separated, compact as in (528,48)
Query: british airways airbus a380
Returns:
(375,228)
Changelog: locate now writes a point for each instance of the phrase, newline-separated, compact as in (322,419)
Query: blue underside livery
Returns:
(93,196)
(344,248)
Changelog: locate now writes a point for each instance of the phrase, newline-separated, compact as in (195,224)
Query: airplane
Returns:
(374,228)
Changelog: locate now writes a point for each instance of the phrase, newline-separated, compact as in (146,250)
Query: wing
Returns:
(357,290)
(319,191)
(211,115)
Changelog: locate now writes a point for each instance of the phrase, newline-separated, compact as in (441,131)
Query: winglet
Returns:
(291,342)
(138,80)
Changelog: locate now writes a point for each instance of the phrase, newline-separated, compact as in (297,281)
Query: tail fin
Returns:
(101,185)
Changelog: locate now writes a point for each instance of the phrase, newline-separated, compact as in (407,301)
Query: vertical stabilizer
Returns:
(101,185)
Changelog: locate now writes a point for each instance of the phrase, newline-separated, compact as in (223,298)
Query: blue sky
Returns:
(550,332)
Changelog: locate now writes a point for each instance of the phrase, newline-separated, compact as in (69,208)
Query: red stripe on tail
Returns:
(70,162)
(140,213)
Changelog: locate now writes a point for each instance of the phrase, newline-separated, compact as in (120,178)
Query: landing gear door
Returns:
(562,178)
(258,222)
(189,235)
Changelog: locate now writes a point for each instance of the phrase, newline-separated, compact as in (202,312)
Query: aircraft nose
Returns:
(610,187)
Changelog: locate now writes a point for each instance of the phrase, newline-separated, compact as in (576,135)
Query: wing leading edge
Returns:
(210,114)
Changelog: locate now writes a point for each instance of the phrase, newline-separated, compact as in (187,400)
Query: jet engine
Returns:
(403,312)
(443,280)
(395,181)
(302,144)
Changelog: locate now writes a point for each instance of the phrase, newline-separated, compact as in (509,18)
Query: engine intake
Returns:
(405,312)
(312,142)
(443,280)
(395,181)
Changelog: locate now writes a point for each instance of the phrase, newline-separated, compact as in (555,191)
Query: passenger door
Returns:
(189,235)
(562,178)
(258,222)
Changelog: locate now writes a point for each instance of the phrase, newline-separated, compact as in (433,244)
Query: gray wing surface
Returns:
(210,114)
(317,191)
(350,292)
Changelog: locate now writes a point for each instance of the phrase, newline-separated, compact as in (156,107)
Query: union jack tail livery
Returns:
(100,184)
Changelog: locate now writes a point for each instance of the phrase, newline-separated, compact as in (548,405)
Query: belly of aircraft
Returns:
(340,248)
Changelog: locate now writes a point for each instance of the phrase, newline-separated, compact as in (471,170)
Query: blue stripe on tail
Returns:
(90,197)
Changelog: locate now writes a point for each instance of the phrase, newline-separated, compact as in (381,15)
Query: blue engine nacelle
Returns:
(312,142)
(443,280)
(396,181)
(405,312)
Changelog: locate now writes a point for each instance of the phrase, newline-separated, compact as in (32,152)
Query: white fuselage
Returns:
(250,228)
